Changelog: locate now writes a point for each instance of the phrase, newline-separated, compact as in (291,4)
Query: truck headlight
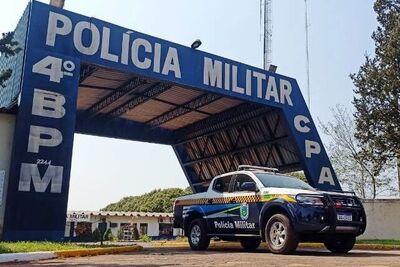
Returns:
(310,200)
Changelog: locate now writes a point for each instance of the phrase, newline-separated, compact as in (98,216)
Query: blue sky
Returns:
(105,170)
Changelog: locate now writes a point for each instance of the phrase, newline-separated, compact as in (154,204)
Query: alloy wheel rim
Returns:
(195,234)
(277,234)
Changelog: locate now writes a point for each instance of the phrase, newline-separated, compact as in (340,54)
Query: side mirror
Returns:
(249,186)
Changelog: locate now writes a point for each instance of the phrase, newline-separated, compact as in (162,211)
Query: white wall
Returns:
(152,223)
(7,124)
(383,219)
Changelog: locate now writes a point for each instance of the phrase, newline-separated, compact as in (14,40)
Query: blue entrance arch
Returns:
(81,74)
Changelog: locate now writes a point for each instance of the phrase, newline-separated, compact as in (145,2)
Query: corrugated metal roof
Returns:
(87,97)
(262,141)
(214,134)
(178,95)
(184,120)
(147,111)
(220,105)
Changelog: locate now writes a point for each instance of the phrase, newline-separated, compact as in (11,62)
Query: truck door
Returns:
(220,207)
(246,221)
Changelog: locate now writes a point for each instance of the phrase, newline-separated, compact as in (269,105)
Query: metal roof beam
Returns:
(145,96)
(176,105)
(187,107)
(235,151)
(234,117)
(86,71)
(114,96)
(272,134)
(102,88)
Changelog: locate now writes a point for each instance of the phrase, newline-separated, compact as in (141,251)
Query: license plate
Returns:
(345,217)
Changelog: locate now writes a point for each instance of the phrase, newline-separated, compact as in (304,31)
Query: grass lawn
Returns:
(380,242)
(14,247)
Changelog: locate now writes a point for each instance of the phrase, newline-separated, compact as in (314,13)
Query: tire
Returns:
(250,243)
(340,244)
(280,236)
(198,238)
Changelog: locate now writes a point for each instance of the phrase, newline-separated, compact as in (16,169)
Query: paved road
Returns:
(231,257)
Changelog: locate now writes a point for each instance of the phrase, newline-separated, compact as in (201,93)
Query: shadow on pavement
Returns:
(128,259)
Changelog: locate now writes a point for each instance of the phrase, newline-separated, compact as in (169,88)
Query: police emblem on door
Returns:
(244,211)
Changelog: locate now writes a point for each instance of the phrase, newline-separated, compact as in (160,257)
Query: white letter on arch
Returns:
(312,147)
(35,140)
(212,72)
(326,176)
(145,63)
(30,172)
(53,30)
(299,127)
(48,104)
(95,42)
(172,63)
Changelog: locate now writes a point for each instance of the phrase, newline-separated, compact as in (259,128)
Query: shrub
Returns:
(120,234)
(108,236)
(145,238)
(96,235)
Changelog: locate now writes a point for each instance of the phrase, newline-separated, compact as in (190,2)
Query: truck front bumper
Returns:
(324,220)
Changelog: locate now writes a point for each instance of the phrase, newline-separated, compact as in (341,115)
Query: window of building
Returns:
(166,229)
(143,228)
(83,229)
(113,225)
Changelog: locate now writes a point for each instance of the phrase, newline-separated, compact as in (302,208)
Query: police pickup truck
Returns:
(255,204)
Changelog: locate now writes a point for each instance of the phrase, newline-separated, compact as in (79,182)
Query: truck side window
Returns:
(222,184)
(239,180)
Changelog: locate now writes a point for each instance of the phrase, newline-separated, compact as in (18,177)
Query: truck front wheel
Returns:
(198,238)
(340,244)
(280,236)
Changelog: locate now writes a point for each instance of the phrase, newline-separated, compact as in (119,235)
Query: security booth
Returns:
(77,74)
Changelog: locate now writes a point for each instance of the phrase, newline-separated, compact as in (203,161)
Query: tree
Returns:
(354,162)
(299,175)
(377,82)
(154,201)
(8,47)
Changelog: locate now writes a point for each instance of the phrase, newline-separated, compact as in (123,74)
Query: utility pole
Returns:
(307,57)
(267,33)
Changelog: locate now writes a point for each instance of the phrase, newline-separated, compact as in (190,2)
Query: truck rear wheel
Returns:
(198,238)
(280,236)
(340,244)
(250,243)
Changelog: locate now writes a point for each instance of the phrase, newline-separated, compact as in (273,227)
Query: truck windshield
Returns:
(270,180)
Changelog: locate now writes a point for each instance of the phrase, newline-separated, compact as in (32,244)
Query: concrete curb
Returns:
(96,251)
(263,245)
(26,256)
(46,255)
